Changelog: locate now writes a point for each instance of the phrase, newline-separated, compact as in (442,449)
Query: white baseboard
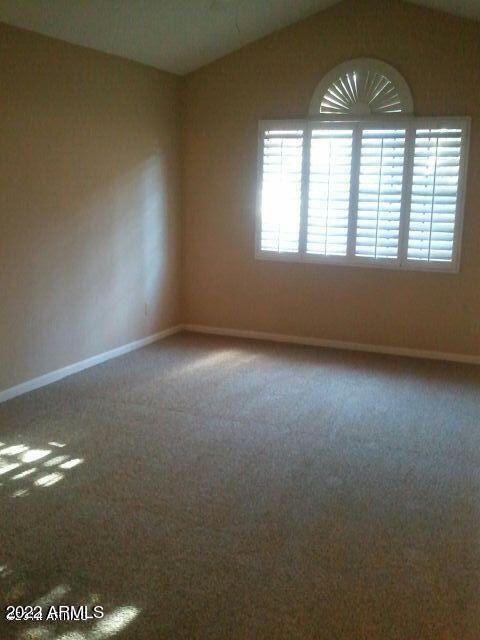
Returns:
(335,344)
(53,376)
(58,374)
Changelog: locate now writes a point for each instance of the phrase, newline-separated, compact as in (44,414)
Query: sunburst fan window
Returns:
(362,87)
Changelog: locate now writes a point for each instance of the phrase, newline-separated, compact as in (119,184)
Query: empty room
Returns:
(239,320)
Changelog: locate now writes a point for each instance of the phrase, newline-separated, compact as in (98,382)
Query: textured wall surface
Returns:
(274,78)
(89,236)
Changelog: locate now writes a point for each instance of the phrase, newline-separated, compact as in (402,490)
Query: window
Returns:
(362,87)
(384,189)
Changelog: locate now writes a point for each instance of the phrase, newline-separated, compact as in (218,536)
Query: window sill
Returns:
(369,263)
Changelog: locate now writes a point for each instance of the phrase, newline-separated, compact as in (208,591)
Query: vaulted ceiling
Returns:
(174,35)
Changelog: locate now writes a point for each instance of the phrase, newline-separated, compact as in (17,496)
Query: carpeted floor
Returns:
(212,488)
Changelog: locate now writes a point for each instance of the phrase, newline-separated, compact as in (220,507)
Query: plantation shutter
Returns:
(281,190)
(362,192)
(382,160)
(329,191)
(434,200)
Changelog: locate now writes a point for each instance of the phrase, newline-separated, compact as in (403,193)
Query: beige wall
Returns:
(89,231)
(89,193)
(223,284)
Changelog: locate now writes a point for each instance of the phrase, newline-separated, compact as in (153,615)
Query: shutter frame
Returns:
(264,127)
(463,125)
(319,127)
(383,140)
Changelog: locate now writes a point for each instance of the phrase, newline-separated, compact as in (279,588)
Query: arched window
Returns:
(361,181)
(362,87)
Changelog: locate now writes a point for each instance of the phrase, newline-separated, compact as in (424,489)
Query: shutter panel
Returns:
(329,191)
(380,193)
(434,203)
(281,190)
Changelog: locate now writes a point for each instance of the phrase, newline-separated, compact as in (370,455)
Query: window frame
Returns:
(410,124)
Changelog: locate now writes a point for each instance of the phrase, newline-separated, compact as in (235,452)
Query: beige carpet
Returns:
(229,489)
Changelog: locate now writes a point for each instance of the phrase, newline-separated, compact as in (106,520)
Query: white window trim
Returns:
(410,123)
